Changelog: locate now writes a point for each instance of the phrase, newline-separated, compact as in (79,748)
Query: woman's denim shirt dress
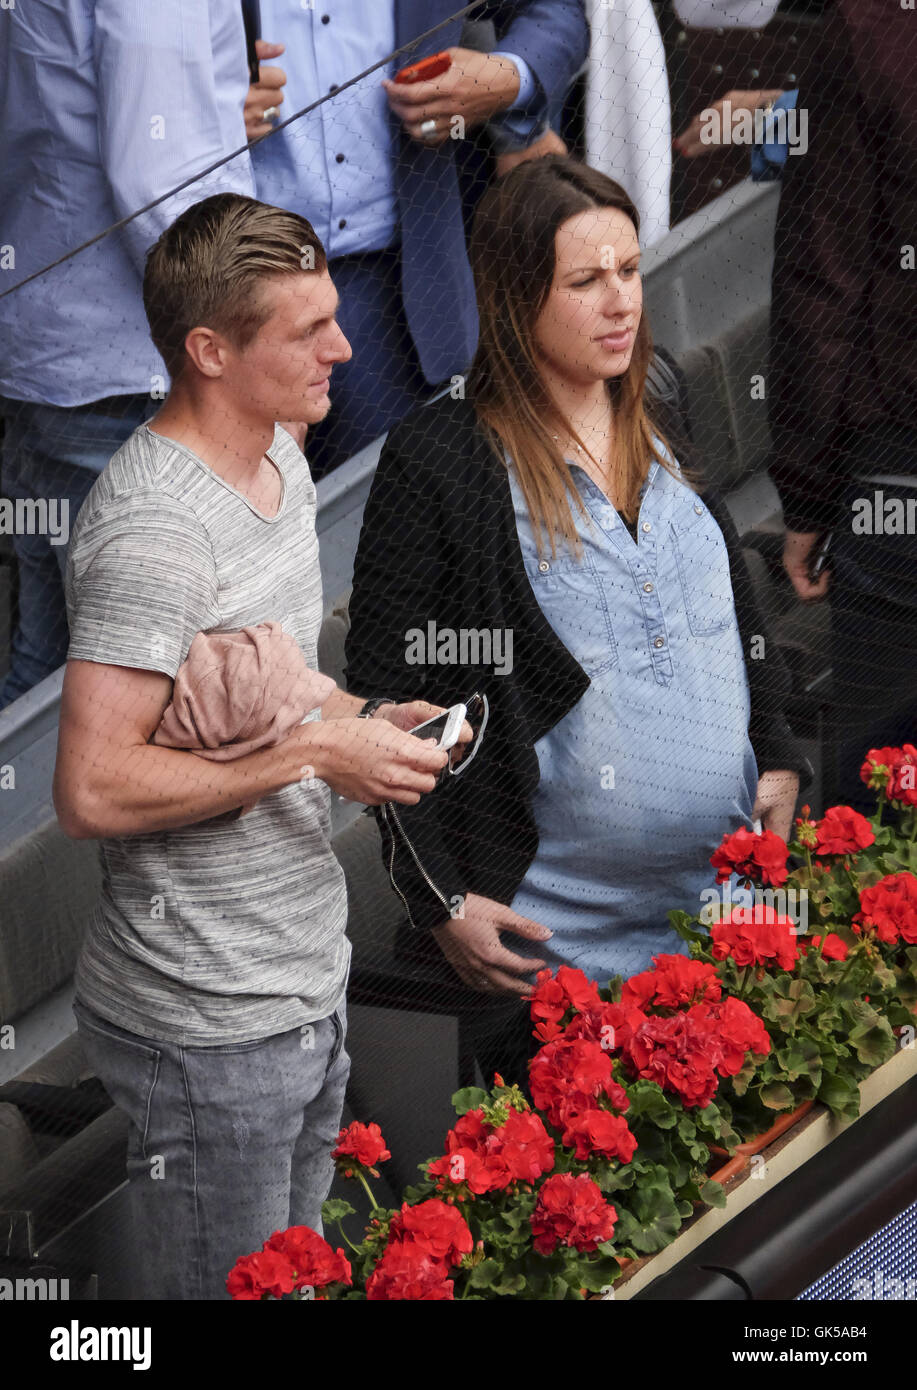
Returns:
(642,778)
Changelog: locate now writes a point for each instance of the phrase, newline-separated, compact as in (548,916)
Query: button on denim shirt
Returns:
(653,765)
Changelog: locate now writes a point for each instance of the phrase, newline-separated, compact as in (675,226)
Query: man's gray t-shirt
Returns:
(222,931)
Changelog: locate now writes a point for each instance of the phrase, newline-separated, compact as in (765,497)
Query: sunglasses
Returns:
(477,711)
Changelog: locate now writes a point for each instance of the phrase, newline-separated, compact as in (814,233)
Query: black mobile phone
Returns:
(819,559)
(251,19)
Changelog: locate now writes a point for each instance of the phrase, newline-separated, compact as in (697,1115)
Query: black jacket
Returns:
(844,300)
(439,543)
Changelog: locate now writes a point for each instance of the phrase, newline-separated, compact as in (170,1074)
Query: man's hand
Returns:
(409,715)
(369,760)
(689,142)
(549,143)
(775,802)
(476,86)
(797,553)
(264,94)
(472,946)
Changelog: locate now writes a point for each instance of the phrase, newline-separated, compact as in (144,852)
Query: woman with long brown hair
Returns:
(543,507)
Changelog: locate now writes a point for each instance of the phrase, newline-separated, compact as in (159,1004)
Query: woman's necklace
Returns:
(602,477)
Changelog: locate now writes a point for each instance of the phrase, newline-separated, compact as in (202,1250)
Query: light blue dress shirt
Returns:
(642,778)
(336,165)
(105,105)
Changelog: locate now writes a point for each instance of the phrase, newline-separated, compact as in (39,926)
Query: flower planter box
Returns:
(763,1141)
(798,1138)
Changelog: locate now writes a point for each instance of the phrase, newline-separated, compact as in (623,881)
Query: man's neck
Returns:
(231,444)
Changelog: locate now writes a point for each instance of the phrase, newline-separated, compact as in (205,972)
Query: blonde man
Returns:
(210,989)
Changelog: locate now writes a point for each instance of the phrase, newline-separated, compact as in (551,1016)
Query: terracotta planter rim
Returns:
(780,1126)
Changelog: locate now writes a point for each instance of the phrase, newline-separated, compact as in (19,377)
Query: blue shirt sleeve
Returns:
(170,96)
(524,121)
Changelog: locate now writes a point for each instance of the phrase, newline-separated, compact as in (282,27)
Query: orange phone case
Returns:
(425,69)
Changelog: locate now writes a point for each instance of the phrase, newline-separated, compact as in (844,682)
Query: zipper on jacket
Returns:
(427,879)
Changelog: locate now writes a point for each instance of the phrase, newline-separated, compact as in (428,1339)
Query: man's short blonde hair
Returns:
(204,271)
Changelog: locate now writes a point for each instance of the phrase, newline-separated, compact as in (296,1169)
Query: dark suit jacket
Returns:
(844,305)
(439,542)
(552,36)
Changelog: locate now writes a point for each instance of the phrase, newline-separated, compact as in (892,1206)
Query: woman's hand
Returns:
(797,557)
(776,801)
(472,946)
(549,143)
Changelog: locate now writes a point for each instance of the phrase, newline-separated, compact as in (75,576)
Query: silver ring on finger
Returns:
(270,114)
(427,129)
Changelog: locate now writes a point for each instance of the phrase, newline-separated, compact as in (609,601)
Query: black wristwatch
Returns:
(372,705)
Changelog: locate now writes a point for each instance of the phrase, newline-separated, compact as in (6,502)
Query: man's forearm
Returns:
(153,788)
(340,705)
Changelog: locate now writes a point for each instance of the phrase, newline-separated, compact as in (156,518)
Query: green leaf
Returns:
(800,1057)
(649,1102)
(791,999)
(841,1094)
(680,923)
(650,1221)
(484,1275)
(598,1273)
(874,1045)
(510,1284)
(335,1209)
(712,1194)
(776,1096)
(469,1098)
(618,1179)
(743,1078)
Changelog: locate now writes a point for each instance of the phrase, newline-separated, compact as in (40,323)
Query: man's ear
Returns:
(207,350)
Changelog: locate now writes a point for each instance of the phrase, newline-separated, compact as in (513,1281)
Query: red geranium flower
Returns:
(434,1228)
(890,907)
(902,784)
(675,981)
(555,994)
(406,1273)
(738,1031)
(569,1076)
(601,1133)
(755,936)
(833,947)
(361,1145)
(762,858)
(267,1273)
(519,1149)
(842,830)
(313,1259)
(610,1026)
(549,1001)
(466,1166)
(678,1053)
(894,771)
(523,1146)
(571,1211)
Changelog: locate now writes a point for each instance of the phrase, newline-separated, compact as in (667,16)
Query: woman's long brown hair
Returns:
(512,252)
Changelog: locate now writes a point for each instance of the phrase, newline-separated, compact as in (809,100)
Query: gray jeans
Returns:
(227,1144)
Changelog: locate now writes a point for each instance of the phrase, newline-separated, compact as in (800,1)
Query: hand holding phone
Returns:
(443,728)
(427,68)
